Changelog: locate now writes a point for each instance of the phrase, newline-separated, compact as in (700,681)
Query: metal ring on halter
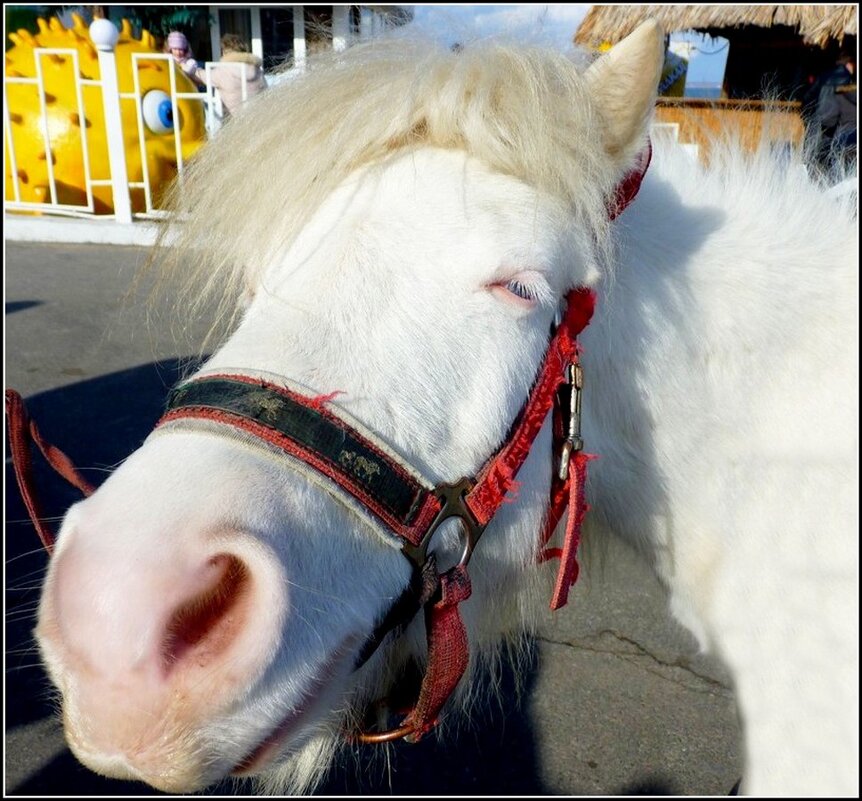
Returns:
(453,504)
(370,738)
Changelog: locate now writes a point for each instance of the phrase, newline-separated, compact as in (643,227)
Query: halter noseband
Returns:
(373,479)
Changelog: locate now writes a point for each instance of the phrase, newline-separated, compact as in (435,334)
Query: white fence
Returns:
(16,176)
(134,122)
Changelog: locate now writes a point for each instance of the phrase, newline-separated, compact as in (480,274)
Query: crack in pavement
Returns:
(718,687)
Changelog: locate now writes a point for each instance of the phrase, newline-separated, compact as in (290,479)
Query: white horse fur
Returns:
(375,215)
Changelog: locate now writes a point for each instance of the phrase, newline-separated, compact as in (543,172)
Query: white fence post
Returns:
(104,35)
(340,27)
(366,23)
(256,34)
(299,37)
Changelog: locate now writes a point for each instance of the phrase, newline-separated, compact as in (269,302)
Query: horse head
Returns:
(403,225)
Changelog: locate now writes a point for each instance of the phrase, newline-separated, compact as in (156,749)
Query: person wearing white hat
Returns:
(178,46)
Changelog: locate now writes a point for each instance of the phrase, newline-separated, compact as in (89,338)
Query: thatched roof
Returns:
(816,24)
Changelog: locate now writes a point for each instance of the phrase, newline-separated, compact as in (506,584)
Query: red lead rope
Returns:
(23,432)
(568,495)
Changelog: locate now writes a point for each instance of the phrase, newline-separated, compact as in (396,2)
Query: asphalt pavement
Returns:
(618,700)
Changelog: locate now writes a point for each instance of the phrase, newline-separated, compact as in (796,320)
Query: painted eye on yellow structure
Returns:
(158,111)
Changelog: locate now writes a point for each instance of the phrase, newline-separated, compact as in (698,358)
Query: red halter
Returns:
(410,507)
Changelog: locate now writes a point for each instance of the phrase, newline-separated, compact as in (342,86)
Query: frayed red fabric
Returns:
(577,508)
(448,652)
(319,400)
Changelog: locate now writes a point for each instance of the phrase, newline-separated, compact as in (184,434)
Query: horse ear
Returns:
(624,85)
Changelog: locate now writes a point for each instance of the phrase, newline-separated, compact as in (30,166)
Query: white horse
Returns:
(396,231)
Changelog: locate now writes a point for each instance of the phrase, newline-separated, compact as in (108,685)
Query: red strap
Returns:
(448,647)
(631,183)
(23,431)
(448,652)
(577,508)
(566,496)
(498,476)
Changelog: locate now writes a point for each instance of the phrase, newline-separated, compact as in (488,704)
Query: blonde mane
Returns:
(521,110)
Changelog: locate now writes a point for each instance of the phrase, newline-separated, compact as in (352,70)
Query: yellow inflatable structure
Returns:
(65,123)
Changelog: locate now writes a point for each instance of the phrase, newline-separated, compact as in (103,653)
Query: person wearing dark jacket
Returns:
(842,74)
(838,114)
(830,109)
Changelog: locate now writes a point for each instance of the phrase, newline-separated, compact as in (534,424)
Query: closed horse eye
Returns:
(521,290)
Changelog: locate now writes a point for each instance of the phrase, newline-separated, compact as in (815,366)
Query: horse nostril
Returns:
(207,623)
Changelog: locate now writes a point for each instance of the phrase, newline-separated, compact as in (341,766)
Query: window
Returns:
(236,20)
(276,28)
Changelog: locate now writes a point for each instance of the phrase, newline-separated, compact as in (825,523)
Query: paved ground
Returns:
(618,701)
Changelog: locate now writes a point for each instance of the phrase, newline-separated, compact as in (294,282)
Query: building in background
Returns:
(285,34)
(774,52)
(279,35)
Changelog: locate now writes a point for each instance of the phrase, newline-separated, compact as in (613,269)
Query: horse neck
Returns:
(716,299)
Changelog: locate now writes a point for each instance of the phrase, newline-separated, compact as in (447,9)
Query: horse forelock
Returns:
(523,111)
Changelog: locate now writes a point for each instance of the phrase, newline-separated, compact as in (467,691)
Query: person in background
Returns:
(838,117)
(829,108)
(227,75)
(178,46)
(843,73)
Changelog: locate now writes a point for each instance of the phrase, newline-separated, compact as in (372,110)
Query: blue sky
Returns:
(557,22)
